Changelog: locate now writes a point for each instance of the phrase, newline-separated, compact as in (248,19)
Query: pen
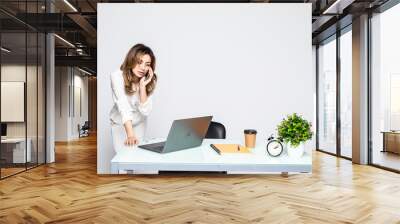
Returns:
(215,149)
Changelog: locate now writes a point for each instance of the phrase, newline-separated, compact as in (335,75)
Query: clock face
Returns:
(274,148)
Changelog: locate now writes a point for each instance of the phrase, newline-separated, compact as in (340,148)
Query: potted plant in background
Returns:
(294,130)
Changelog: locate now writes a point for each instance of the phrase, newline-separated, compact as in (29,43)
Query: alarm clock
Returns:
(274,146)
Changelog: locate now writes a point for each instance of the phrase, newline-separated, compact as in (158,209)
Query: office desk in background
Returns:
(204,158)
(391,141)
(13,150)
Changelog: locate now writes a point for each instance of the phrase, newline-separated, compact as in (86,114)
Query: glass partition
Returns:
(385,89)
(13,95)
(327,96)
(31,99)
(346,94)
(41,87)
(22,64)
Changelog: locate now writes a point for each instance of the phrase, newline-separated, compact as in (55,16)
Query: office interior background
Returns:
(48,82)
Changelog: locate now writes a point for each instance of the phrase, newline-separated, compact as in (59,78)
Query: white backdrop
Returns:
(248,65)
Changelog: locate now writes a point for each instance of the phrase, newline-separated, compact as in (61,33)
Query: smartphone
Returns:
(147,76)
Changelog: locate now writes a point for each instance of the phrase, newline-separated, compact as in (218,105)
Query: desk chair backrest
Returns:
(216,130)
(86,126)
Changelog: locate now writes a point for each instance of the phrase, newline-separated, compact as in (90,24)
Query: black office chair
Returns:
(216,130)
(84,130)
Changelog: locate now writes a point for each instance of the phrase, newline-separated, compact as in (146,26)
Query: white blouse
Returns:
(127,107)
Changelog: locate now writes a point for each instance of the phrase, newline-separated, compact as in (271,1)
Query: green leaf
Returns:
(294,130)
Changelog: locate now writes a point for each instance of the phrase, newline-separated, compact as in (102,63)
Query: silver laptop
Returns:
(184,134)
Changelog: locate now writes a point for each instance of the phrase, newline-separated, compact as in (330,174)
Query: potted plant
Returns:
(295,131)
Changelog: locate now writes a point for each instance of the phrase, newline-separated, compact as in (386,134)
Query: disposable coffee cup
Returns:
(250,138)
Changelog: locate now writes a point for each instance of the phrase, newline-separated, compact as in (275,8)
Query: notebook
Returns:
(229,148)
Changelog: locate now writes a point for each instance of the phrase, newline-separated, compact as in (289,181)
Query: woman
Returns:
(132,87)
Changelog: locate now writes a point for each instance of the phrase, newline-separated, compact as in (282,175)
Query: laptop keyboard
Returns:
(158,147)
(156,144)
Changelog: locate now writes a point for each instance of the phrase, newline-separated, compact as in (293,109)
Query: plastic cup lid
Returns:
(250,131)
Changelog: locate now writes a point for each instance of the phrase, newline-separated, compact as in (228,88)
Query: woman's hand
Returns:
(131,140)
(144,81)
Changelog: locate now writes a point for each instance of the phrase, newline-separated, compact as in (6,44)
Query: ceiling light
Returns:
(70,5)
(338,6)
(5,50)
(84,71)
(331,7)
(65,41)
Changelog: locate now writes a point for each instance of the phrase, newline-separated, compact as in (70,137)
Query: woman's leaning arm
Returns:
(117,86)
(131,138)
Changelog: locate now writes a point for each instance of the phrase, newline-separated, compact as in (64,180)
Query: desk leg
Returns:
(153,172)
(384,143)
(114,168)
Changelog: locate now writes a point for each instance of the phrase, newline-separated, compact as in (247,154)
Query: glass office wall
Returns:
(13,147)
(327,96)
(35,63)
(335,94)
(385,89)
(41,97)
(40,7)
(31,100)
(13,86)
(346,93)
(22,107)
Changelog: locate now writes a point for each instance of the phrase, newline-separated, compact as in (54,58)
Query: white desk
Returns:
(204,158)
(19,155)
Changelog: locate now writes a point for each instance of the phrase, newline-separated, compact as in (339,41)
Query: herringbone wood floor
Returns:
(70,191)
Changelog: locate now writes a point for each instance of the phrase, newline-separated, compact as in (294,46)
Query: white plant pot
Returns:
(295,152)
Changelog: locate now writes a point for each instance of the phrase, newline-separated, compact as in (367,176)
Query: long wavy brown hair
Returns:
(132,58)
